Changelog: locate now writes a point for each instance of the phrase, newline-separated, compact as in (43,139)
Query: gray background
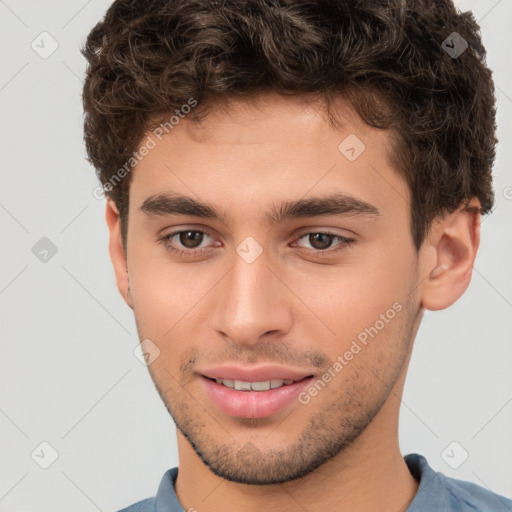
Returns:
(67,370)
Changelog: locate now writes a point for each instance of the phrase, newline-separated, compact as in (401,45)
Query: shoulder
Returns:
(165,498)
(475,497)
(147,505)
(439,492)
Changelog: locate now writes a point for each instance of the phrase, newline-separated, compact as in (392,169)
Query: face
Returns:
(261,254)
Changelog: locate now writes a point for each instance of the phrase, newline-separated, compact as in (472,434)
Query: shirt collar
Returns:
(429,495)
(166,498)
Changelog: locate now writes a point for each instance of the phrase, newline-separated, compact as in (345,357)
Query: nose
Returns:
(252,301)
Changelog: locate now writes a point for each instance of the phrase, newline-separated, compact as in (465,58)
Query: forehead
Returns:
(266,150)
(255,120)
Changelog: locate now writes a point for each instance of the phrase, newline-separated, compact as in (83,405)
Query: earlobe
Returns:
(117,252)
(454,240)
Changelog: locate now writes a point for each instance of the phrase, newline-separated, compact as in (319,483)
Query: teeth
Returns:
(260,386)
(276,383)
(241,385)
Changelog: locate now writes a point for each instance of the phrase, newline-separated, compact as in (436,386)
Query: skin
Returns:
(339,451)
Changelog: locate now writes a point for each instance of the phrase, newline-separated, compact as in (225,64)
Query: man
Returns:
(289,186)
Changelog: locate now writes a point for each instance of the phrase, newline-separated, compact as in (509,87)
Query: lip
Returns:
(253,404)
(254,374)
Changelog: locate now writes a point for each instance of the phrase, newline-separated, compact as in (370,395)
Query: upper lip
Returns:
(254,374)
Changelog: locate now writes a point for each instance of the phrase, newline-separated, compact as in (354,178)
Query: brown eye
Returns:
(191,239)
(320,241)
(187,242)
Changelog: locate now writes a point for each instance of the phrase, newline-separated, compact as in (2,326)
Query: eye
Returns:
(191,242)
(186,242)
(321,242)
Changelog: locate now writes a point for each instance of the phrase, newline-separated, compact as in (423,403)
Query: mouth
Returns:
(254,398)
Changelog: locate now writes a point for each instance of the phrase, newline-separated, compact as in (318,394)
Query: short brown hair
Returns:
(147,58)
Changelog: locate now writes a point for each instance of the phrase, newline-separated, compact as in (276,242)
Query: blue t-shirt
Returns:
(436,493)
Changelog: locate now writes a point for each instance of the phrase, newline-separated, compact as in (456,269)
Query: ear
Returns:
(117,252)
(452,245)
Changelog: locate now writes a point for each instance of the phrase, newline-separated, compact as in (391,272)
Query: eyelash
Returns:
(344,243)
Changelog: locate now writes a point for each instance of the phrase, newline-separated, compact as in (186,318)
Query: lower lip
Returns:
(253,404)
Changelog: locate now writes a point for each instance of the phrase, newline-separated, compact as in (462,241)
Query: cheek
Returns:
(361,313)
(165,294)
(350,298)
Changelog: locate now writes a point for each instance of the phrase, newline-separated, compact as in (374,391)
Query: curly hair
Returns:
(148,58)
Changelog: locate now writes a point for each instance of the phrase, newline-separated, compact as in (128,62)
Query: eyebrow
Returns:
(333,204)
